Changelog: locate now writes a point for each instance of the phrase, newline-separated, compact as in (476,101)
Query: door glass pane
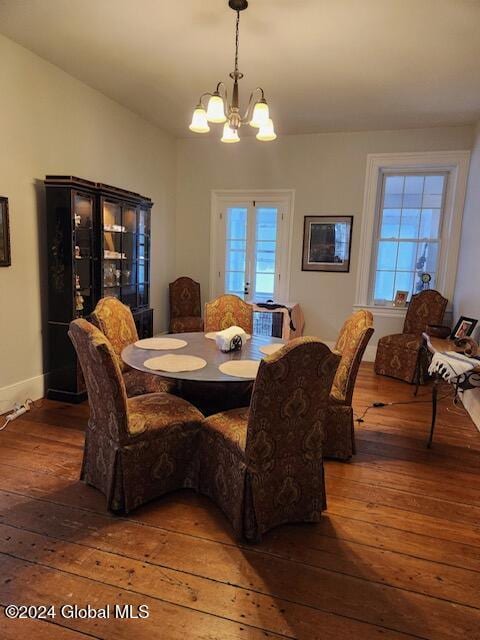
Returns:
(235,250)
(263,286)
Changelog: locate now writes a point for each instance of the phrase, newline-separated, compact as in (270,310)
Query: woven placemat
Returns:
(240,368)
(268,349)
(174,364)
(161,344)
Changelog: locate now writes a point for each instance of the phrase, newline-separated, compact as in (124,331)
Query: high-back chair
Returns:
(115,321)
(351,343)
(185,309)
(226,311)
(263,466)
(399,355)
(135,449)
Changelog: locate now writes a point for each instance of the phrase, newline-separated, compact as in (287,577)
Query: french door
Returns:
(251,252)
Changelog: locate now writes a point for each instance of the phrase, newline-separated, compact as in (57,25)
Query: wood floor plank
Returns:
(38,629)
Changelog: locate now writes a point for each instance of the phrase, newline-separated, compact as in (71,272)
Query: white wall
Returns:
(52,123)
(328,173)
(467,289)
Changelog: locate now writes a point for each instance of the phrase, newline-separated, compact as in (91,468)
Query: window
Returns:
(408,233)
(411,224)
(250,254)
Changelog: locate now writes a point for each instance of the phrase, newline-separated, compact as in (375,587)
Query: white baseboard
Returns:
(33,388)
(471,402)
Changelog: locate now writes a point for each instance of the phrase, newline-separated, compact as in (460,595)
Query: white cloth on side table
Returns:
(450,365)
(225,337)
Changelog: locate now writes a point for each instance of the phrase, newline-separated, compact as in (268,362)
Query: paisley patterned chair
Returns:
(399,355)
(115,320)
(263,466)
(226,311)
(136,449)
(351,343)
(185,309)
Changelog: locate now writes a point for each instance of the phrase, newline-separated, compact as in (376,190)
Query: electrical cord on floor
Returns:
(381,405)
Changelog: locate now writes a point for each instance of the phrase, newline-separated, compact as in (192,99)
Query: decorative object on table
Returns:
(77,212)
(212,335)
(240,368)
(351,343)
(450,365)
(185,307)
(268,349)
(286,319)
(327,243)
(230,339)
(161,344)
(115,321)
(226,311)
(400,299)
(438,330)
(468,346)
(135,449)
(5,254)
(172,363)
(257,112)
(464,327)
(425,279)
(400,355)
(273,475)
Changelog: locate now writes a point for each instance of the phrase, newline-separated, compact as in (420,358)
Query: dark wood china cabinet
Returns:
(98,243)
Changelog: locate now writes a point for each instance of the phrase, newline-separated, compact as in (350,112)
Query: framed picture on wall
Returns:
(464,327)
(327,243)
(5,258)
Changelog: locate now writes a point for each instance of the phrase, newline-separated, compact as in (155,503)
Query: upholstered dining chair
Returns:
(263,465)
(185,309)
(400,355)
(115,320)
(351,343)
(226,311)
(136,449)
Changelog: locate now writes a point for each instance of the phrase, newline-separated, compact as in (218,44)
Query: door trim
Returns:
(284,196)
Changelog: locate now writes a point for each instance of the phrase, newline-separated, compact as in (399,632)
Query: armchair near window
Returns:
(399,355)
(263,466)
(185,308)
(136,449)
(226,311)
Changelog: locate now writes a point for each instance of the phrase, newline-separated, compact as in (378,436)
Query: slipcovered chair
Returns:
(226,311)
(263,466)
(115,320)
(185,309)
(136,449)
(399,355)
(351,344)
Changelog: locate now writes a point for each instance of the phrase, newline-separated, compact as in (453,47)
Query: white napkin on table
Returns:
(224,338)
(450,364)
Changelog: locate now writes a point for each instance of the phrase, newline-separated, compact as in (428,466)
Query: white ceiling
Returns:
(326,65)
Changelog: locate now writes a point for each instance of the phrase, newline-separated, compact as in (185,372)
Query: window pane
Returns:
(412,200)
(265,283)
(427,257)
(432,201)
(236,245)
(236,261)
(390,223)
(393,200)
(266,246)
(384,285)
(265,262)
(394,184)
(430,223)
(434,184)
(387,255)
(266,224)
(410,223)
(404,281)
(407,254)
(235,282)
(236,223)
(414,184)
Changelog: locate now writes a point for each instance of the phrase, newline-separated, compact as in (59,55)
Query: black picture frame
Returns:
(322,251)
(464,327)
(5,253)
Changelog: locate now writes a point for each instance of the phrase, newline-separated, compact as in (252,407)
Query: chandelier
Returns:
(221,110)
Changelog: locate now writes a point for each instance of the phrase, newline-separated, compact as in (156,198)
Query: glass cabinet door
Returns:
(143,257)
(83,253)
(112,232)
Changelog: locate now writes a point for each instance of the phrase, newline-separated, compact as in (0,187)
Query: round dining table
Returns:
(206,348)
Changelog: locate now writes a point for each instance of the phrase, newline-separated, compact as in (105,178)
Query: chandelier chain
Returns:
(237,37)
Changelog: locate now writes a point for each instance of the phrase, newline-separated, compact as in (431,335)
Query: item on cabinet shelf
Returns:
(79,300)
(126,276)
(400,299)
(77,252)
(114,227)
(77,281)
(114,255)
(326,243)
(438,330)
(118,275)
(468,346)
(230,339)
(78,219)
(464,327)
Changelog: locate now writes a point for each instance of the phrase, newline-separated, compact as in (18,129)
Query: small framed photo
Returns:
(5,257)
(463,328)
(401,298)
(327,242)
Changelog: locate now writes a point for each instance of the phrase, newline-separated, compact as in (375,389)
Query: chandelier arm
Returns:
(249,112)
(200,103)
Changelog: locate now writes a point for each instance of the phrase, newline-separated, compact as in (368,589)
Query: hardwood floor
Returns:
(396,555)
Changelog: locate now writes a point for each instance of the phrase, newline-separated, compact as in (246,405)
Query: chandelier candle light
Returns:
(220,110)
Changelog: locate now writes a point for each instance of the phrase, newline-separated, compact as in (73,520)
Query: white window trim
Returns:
(456,163)
(284,196)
